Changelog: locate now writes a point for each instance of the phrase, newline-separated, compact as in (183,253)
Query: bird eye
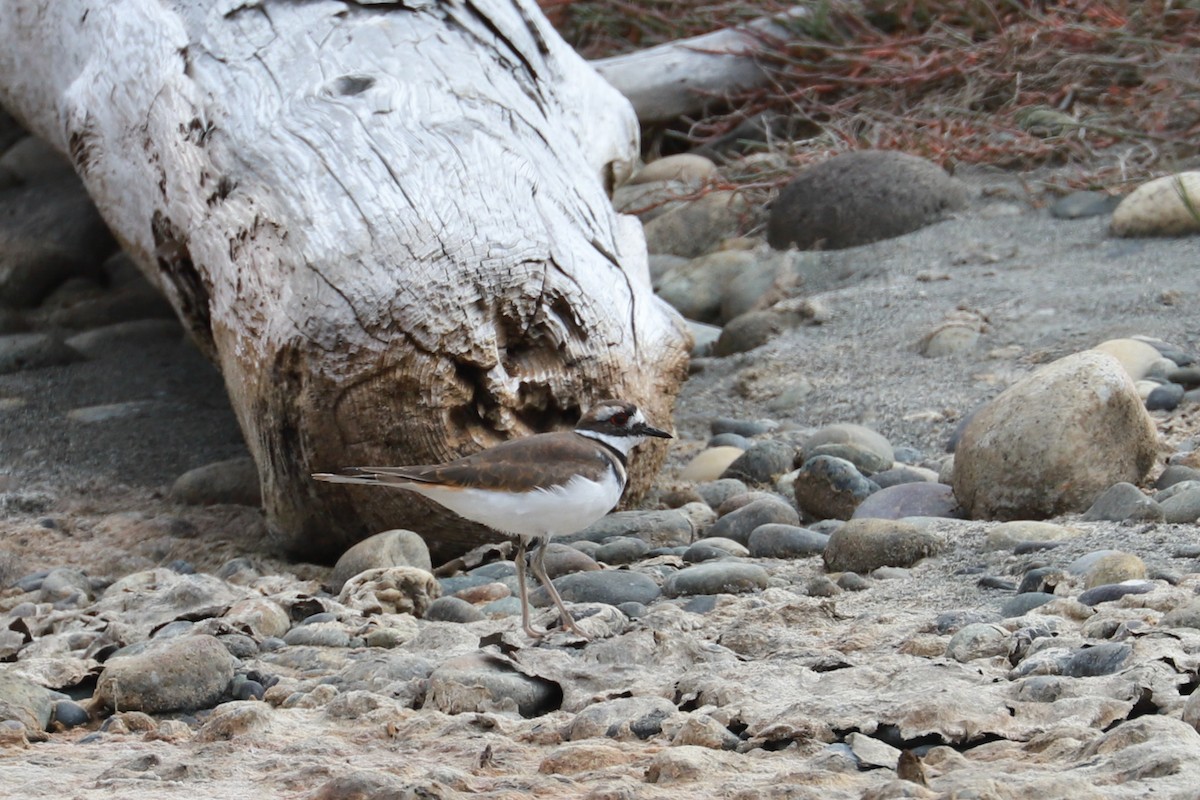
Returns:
(619,418)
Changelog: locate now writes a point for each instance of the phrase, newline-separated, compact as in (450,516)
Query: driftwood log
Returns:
(387,223)
(685,77)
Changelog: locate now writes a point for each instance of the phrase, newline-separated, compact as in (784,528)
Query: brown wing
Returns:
(535,462)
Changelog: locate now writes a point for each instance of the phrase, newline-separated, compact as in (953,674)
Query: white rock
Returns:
(1166,206)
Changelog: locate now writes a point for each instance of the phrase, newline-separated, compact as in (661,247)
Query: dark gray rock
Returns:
(21,351)
(452,609)
(830,487)
(49,233)
(610,586)
(1176,473)
(563,559)
(1176,488)
(1102,659)
(922,499)
(1041,580)
(738,525)
(861,197)
(234,481)
(1022,604)
(1183,507)
(762,463)
(716,577)
(70,714)
(621,550)
(862,545)
(786,541)
(717,492)
(702,551)
(1108,592)
(1165,398)
(183,674)
(1123,501)
(748,331)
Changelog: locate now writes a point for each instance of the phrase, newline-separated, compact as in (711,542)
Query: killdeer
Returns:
(535,488)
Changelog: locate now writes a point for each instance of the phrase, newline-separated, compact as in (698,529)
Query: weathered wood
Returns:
(386,222)
(686,77)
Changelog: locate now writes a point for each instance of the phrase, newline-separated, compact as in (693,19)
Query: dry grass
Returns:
(1111,88)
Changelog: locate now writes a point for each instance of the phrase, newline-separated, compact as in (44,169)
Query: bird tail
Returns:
(338,478)
(369,476)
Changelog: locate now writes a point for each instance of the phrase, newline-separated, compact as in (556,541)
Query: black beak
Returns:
(646,430)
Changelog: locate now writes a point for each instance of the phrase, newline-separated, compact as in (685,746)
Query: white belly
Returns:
(544,512)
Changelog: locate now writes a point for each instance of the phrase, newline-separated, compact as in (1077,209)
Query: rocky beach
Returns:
(815,600)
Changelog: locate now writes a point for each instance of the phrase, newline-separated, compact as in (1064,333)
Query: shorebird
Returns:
(535,488)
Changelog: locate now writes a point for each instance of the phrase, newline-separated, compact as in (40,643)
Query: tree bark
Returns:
(386,222)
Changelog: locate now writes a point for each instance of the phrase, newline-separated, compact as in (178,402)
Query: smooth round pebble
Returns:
(1108,592)
(903,473)
(715,493)
(775,540)
(1165,397)
(978,640)
(698,553)
(853,582)
(739,524)
(1114,568)
(70,714)
(1123,501)
(1181,507)
(868,450)
(910,500)
(1054,440)
(452,609)
(710,464)
(621,550)
(1008,535)
(716,577)
(1176,473)
(183,674)
(1022,604)
(395,548)
(829,487)
(730,440)
(656,528)
(762,463)
(862,545)
(233,481)
(609,586)
(1101,659)
(822,586)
